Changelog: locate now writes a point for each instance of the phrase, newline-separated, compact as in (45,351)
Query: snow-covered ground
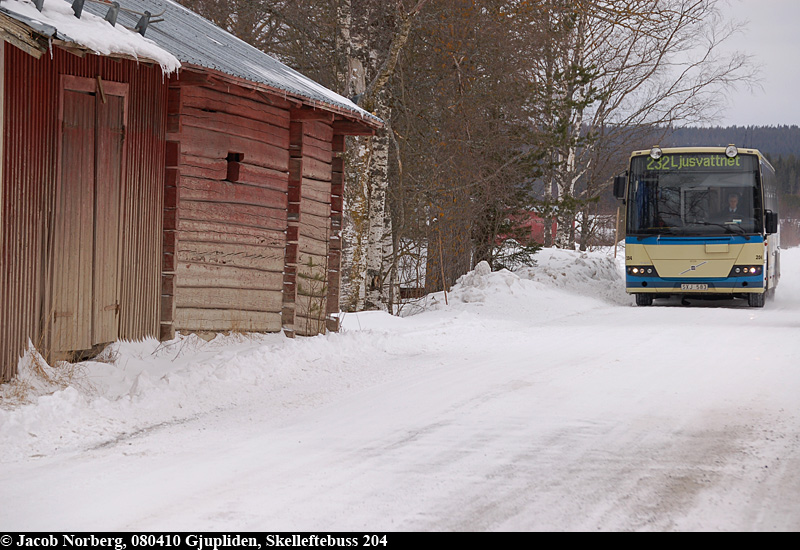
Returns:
(536,400)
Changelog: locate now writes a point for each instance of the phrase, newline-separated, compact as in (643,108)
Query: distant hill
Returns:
(775,141)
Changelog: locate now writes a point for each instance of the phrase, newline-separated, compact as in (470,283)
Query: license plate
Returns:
(694,287)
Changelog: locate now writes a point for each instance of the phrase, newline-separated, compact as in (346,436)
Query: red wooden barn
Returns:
(529,228)
(140,200)
(537,225)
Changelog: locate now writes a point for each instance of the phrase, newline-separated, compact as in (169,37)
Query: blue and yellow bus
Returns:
(700,222)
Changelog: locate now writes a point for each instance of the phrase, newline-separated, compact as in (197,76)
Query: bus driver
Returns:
(732,210)
(733,203)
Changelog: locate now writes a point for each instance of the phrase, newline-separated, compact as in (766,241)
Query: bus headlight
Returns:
(642,271)
(746,270)
(731,151)
(655,152)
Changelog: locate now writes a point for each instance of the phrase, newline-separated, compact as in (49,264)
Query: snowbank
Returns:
(132,387)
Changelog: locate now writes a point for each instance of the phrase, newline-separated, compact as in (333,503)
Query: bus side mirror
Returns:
(619,186)
(771,222)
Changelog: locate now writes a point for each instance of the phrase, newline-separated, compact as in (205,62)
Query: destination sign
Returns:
(693,162)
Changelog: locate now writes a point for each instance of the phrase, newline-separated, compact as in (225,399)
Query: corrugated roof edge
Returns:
(364,116)
(255,67)
(216,56)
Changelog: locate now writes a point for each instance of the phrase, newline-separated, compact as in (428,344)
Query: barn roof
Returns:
(197,42)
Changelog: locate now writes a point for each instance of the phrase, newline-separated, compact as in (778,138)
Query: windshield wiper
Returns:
(728,227)
(655,232)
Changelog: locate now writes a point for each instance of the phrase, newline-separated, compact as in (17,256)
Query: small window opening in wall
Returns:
(234,160)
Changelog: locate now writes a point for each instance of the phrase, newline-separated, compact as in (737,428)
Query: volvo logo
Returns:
(693,268)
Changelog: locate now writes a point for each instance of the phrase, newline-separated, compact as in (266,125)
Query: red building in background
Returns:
(537,226)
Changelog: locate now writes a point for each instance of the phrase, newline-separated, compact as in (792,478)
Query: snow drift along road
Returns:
(535,400)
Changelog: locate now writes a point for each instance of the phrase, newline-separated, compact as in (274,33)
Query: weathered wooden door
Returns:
(86,231)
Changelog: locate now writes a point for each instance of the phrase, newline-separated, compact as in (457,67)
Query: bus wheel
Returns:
(644,299)
(755,300)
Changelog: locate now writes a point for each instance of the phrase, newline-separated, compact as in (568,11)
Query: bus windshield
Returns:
(694,194)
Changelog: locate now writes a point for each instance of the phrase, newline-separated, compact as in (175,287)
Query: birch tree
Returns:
(368,64)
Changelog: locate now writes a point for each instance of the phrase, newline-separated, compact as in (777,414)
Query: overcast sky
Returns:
(772,35)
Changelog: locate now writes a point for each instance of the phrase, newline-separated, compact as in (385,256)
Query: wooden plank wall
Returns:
(226,216)
(314,234)
(335,249)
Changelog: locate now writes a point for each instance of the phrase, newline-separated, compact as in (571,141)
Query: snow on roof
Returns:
(57,21)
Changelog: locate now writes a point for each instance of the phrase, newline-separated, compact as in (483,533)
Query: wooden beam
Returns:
(352,128)
(77,52)
(22,36)
(192,78)
(311,114)
(338,145)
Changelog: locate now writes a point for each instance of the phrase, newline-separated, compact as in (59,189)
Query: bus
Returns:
(701,222)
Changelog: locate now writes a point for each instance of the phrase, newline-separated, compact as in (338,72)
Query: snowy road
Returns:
(544,401)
